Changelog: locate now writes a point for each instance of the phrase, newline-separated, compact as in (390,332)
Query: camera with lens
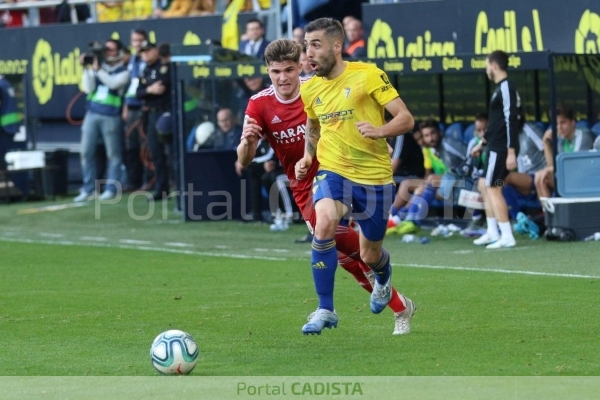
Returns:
(95,49)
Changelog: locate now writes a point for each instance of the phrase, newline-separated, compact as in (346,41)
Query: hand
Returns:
(157,88)
(367,130)
(476,150)
(548,136)
(238,168)
(251,132)
(95,64)
(302,167)
(81,59)
(511,161)
(124,114)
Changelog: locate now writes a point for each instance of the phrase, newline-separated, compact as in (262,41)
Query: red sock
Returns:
(347,243)
(396,303)
(354,267)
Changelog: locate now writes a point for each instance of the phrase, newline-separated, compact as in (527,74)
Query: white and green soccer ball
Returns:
(174,352)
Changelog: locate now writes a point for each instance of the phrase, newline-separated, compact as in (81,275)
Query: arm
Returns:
(88,81)
(396,153)
(246,150)
(402,122)
(510,100)
(141,91)
(311,138)
(113,82)
(548,148)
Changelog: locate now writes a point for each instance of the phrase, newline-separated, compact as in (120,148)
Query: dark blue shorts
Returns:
(369,204)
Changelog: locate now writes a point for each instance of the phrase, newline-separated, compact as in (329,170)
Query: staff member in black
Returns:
(155,92)
(501,148)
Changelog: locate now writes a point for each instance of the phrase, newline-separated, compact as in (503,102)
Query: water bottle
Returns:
(409,239)
(595,237)
(414,239)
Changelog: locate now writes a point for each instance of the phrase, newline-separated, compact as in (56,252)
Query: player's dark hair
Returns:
(255,20)
(500,58)
(430,123)
(116,42)
(140,31)
(566,112)
(332,28)
(481,117)
(283,50)
(164,49)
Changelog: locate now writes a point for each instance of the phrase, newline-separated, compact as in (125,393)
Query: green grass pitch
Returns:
(86,296)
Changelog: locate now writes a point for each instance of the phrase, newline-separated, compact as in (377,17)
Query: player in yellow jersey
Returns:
(345,127)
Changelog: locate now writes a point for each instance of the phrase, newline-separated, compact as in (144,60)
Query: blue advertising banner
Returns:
(50,55)
(451,27)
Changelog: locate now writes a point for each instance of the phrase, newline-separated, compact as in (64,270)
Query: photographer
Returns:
(155,92)
(104,82)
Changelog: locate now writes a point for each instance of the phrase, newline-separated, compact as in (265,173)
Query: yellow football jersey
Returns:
(357,95)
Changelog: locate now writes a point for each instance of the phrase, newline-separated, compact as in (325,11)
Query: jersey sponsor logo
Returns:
(318,102)
(290,135)
(336,116)
(275,120)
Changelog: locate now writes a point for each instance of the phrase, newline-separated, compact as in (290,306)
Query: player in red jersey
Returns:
(277,114)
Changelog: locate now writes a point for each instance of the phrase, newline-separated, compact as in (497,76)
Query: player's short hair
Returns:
(141,32)
(566,112)
(164,49)
(332,28)
(481,117)
(283,50)
(255,20)
(500,58)
(430,123)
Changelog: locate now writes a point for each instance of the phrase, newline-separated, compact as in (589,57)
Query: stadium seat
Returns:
(455,130)
(583,124)
(543,126)
(596,129)
(469,133)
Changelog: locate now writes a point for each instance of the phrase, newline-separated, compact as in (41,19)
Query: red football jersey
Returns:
(283,123)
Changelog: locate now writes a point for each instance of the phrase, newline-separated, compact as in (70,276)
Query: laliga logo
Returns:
(381,42)
(43,71)
(589,27)
(587,41)
(50,69)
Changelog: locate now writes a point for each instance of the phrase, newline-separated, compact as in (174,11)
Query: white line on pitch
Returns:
(244,256)
(131,241)
(94,238)
(271,250)
(178,244)
(51,235)
(501,271)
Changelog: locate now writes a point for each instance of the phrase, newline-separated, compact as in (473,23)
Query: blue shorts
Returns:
(369,204)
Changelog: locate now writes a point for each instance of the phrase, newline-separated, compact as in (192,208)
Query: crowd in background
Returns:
(108,11)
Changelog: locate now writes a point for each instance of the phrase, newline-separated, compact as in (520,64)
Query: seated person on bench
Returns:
(443,158)
(570,140)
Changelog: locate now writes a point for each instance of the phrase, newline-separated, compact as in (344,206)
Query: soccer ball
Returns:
(174,352)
